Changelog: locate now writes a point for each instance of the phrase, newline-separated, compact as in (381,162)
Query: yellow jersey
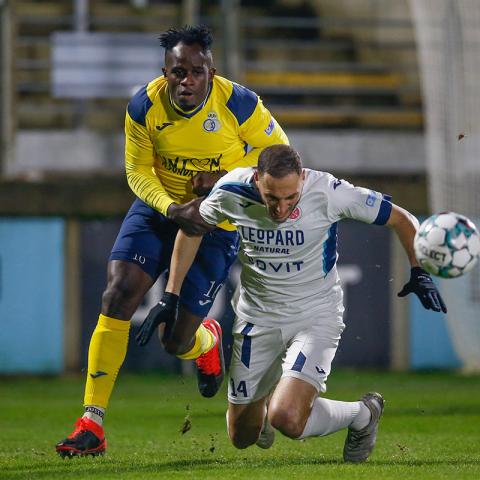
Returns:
(165,146)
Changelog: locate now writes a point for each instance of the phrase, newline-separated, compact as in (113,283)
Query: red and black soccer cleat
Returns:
(211,365)
(87,439)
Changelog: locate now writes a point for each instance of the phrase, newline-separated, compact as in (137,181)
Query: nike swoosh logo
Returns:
(97,374)
(246,204)
(321,371)
(204,302)
(336,183)
(163,125)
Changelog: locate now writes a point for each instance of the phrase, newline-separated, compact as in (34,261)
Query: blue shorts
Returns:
(147,237)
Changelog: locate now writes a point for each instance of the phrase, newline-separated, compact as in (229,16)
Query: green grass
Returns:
(430,430)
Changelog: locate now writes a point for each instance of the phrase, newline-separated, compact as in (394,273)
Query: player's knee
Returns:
(120,297)
(286,420)
(244,437)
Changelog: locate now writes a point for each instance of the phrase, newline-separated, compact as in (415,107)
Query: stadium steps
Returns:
(35,22)
(322,81)
(331,81)
(350,117)
(338,74)
(98,114)
(43,17)
(353,96)
(108,115)
(266,51)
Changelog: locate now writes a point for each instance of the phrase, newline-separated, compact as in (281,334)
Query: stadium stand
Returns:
(315,66)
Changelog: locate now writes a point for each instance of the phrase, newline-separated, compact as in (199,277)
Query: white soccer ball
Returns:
(447,245)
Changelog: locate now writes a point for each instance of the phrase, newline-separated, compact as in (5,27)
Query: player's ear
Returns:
(164,70)
(255,175)
(303,174)
(211,73)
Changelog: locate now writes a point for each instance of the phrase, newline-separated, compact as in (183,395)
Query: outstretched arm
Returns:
(405,226)
(421,284)
(184,253)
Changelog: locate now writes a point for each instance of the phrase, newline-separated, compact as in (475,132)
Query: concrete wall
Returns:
(354,152)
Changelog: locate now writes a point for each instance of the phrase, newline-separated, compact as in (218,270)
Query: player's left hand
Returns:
(421,284)
(203,182)
(164,312)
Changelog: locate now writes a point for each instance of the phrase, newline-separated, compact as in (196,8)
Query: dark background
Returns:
(365,339)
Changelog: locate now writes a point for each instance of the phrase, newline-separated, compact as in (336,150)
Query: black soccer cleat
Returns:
(211,365)
(359,444)
(87,439)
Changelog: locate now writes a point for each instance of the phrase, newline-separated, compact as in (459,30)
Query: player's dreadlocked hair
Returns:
(279,161)
(188,35)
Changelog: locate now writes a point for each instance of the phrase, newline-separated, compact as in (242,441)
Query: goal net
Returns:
(448,44)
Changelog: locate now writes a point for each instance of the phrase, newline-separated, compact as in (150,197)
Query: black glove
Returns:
(164,312)
(421,284)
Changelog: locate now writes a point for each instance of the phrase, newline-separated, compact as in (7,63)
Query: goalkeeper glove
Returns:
(164,312)
(421,284)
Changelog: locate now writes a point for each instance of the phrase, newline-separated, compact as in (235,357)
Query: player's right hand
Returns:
(164,312)
(188,218)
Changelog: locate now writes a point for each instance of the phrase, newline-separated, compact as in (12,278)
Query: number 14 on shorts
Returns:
(238,390)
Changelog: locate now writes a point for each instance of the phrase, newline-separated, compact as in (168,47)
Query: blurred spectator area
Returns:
(38,22)
(316,64)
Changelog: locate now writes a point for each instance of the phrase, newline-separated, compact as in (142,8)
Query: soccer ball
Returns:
(447,245)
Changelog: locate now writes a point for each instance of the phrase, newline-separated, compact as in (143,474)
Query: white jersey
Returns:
(288,268)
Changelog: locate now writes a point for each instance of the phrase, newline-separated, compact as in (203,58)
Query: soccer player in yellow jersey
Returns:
(184,130)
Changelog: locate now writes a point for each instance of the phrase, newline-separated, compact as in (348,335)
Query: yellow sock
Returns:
(106,354)
(204,341)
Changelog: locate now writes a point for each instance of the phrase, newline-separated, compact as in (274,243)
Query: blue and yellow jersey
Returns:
(165,146)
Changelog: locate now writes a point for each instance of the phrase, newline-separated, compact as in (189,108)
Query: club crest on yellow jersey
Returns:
(212,123)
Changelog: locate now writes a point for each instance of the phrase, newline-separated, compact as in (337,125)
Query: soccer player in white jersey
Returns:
(289,302)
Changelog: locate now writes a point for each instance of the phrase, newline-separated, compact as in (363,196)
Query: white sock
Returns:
(329,416)
(362,419)
(94,413)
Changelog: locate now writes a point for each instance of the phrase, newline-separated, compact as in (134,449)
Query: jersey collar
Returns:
(190,114)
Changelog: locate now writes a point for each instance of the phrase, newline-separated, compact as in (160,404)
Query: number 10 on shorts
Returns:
(241,388)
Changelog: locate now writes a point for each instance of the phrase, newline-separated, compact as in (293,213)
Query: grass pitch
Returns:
(430,430)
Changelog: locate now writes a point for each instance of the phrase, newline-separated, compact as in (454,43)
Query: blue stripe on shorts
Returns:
(246,345)
(299,362)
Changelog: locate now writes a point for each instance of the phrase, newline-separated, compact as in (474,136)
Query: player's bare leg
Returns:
(127,285)
(290,406)
(297,411)
(245,422)
(180,338)
(191,338)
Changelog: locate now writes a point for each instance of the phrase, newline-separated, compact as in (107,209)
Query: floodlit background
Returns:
(383,93)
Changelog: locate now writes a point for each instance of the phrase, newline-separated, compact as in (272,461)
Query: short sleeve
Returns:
(257,127)
(348,201)
(211,210)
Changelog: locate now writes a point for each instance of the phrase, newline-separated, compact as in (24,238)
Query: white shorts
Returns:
(262,355)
